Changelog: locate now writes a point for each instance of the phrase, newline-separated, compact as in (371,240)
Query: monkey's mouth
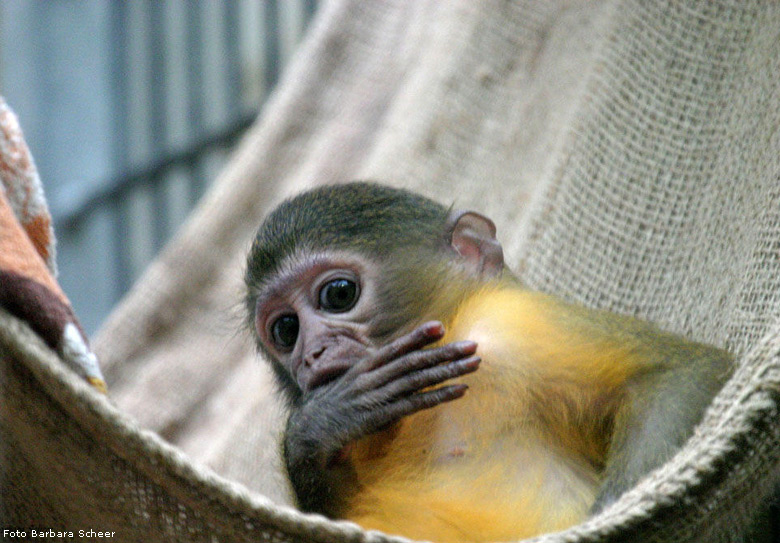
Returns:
(326,374)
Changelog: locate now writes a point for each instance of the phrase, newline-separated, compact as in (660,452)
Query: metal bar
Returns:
(233,73)
(129,180)
(120,224)
(272,46)
(195,95)
(309,8)
(158,129)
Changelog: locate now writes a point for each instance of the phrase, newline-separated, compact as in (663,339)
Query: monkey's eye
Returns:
(285,331)
(338,295)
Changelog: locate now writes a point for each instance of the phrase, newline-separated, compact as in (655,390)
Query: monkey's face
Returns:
(316,315)
(401,260)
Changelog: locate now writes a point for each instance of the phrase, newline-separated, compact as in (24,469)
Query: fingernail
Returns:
(466,346)
(434,328)
(472,361)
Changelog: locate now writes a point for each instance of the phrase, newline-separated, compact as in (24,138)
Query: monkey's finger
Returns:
(418,360)
(413,403)
(428,377)
(423,335)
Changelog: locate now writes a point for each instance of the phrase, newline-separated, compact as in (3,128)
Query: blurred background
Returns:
(130,110)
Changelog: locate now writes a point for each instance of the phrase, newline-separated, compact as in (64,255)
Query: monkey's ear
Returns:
(473,237)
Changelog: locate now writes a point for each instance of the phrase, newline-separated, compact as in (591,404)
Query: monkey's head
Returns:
(340,270)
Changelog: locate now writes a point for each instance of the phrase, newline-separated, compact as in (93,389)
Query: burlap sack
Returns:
(628,152)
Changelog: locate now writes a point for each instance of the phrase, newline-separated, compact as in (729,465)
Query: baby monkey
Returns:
(379,309)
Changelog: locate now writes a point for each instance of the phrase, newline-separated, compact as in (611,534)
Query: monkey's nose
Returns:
(313,355)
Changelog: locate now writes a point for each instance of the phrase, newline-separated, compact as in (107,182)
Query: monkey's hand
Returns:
(386,385)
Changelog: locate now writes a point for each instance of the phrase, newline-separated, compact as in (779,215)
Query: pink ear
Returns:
(473,236)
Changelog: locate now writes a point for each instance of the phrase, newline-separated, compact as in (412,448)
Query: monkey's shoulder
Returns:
(540,335)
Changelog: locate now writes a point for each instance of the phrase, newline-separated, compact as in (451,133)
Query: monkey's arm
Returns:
(663,405)
(666,383)
(386,386)
(663,382)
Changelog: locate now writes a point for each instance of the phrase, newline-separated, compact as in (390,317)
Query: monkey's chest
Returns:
(437,476)
(497,479)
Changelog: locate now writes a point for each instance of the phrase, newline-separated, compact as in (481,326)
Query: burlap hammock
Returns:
(638,141)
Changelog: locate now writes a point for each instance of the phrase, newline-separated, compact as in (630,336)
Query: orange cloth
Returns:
(28,288)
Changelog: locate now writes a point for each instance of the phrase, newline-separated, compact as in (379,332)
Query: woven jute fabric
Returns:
(629,153)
